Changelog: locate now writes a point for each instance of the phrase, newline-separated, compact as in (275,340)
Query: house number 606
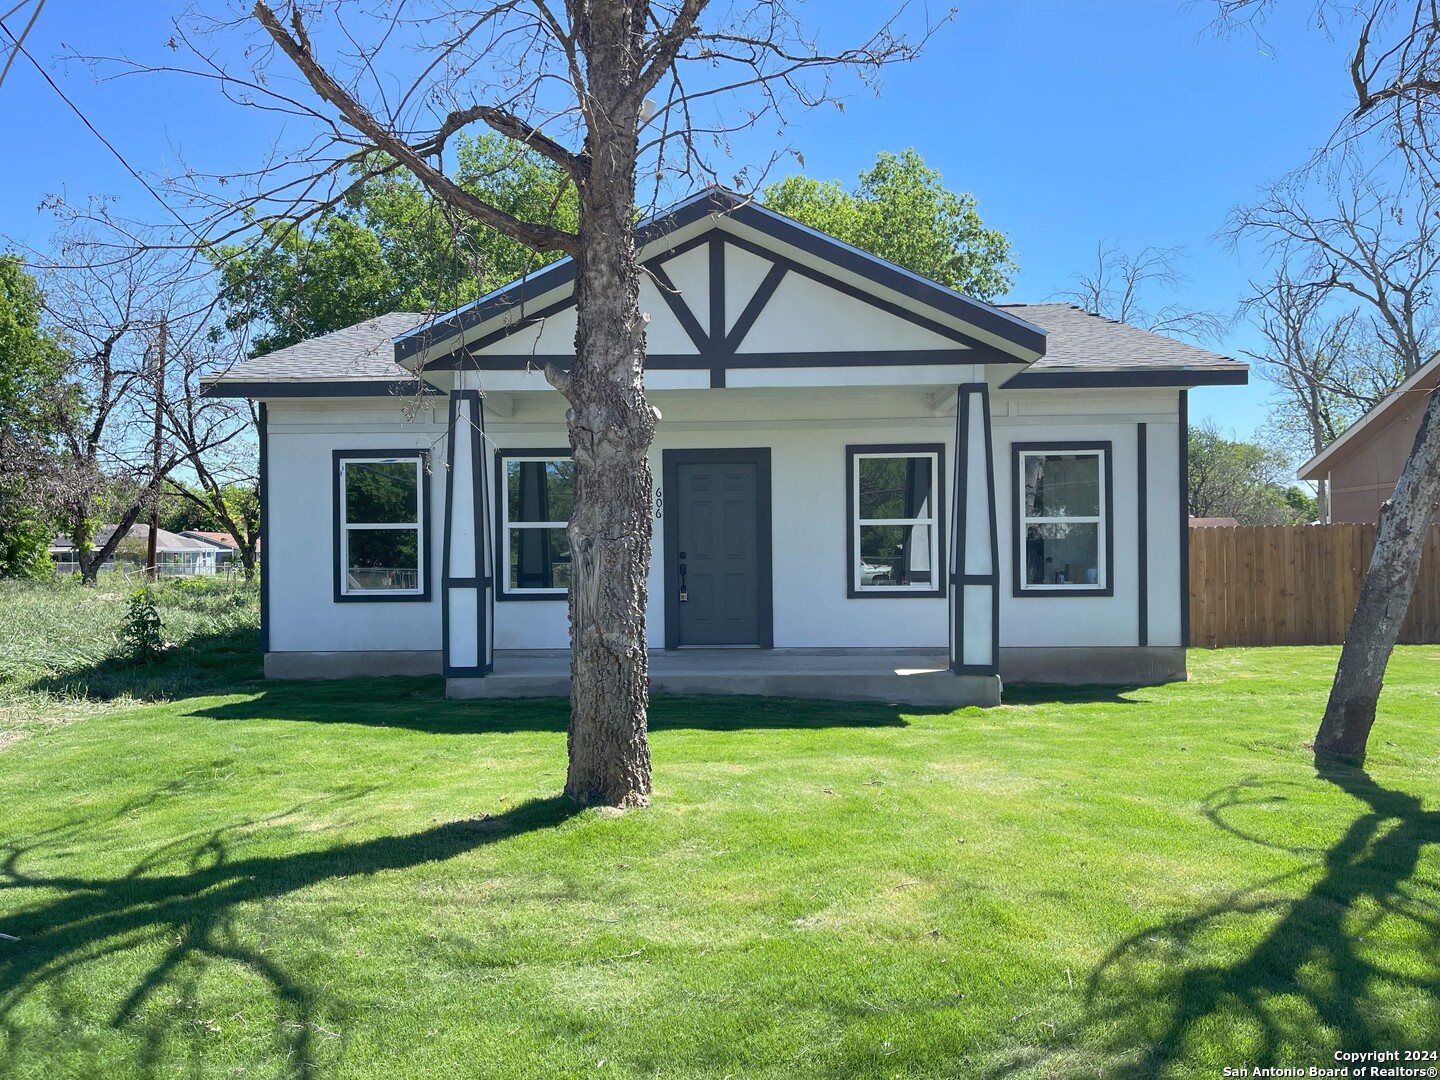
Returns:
(659,503)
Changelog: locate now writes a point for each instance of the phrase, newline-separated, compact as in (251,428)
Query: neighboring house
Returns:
(227,551)
(176,555)
(1361,467)
(866,485)
(1213,522)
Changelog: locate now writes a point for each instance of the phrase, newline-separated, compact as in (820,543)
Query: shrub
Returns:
(141,630)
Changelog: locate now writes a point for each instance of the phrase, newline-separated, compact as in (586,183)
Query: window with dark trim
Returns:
(896,511)
(381,529)
(1063,519)
(537,492)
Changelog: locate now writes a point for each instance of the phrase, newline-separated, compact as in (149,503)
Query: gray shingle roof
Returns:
(364,352)
(1078,339)
(164,540)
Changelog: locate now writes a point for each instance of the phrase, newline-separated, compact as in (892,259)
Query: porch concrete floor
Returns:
(899,676)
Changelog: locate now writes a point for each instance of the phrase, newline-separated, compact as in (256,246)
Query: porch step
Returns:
(902,677)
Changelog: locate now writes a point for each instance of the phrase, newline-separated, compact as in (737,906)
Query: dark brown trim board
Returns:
(262,543)
(1142,539)
(961,513)
(1184,537)
(479,509)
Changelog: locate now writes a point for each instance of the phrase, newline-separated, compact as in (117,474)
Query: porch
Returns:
(893,676)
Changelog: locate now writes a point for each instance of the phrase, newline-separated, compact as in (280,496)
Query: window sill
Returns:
(895,594)
(383,598)
(1032,593)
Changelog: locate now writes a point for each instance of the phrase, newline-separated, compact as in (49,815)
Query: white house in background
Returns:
(176,555)
(866,485)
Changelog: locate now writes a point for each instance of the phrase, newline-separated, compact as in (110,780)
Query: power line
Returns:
(18,47)
(39,5)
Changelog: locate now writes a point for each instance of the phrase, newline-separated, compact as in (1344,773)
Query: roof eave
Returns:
(317,388)
(1319,465)
(1078,378)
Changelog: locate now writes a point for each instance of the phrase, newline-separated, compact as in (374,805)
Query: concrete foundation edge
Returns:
(940,690)
(350,665)
(1116,666)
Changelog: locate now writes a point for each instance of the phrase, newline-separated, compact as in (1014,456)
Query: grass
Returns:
(362,879)
(61,655)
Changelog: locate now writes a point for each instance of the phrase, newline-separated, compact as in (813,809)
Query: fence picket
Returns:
(1295,585)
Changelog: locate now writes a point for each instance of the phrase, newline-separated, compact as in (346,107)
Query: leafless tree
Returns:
(128,311)
(1326,376)
(1394,71)
(1378,246)
(212,437)
(1121,286)
(1380,249)
(633,101)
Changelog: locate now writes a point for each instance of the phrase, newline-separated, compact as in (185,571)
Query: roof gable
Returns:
(1423,382)
(729,283)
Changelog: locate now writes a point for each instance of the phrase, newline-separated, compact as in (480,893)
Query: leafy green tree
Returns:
(33,364)
(1242,480)
(185,506)
(391,247)
(901,211)
(1304,506)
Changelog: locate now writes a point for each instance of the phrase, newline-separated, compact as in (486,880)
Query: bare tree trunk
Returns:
(1384,598)
(611,426)
(1317,442)
(80,536)
(152,558)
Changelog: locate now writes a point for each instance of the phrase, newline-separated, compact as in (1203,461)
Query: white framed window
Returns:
(1063,519)
(537,489)
(381,506)
(896,511)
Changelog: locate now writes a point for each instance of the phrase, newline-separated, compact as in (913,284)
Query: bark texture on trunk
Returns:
(1384,597)
(611,427)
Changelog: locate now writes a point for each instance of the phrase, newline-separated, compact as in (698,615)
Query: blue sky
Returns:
(1123,121)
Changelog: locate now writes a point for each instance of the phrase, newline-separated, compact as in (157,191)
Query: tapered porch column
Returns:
(974,566)
(467,591)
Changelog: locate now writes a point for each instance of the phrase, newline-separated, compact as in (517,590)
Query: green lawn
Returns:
(364,880)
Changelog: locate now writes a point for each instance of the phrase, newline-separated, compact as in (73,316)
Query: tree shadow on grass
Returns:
(190,916)
(1300,970)
(417,705)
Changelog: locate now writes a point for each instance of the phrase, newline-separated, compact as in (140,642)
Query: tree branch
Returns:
(297,48)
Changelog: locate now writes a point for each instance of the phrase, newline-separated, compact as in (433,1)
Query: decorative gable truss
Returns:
(721,301)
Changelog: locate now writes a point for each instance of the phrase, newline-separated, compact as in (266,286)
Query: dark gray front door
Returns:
(717,553)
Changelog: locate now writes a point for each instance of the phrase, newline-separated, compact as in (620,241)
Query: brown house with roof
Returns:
(1360,468)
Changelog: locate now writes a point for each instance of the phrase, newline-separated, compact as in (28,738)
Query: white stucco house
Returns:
(867,485)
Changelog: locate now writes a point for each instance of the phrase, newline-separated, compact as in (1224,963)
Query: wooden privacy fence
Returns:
(1295,585)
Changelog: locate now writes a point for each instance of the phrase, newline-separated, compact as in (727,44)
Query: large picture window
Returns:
(381,506)
(1063,519)
(895,514)
(538,490)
